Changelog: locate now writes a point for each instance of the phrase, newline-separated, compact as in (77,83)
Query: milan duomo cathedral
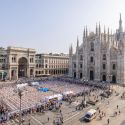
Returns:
(100,57)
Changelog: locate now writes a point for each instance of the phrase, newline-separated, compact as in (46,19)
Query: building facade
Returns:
(21,62)
(100,57)
(3,63)
(17,62)
(51,64)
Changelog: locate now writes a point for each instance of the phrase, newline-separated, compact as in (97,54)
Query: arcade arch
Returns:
(22,67)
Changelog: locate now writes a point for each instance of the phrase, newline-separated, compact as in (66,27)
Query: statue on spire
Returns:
(120,24)
(99,30)
(77,42)
(104,34)
(70,50)
(108,34)
(84,34)
(86,31)
(96,29)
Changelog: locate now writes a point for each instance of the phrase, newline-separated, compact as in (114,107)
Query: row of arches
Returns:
(52,72)
(113,78)
(91,76)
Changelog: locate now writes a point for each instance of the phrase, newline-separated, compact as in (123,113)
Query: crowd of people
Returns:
(33,100)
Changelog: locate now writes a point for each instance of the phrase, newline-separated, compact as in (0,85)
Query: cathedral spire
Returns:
(86,31)
(120,24)
(111,35)
(96,29)
(77,42)
(104,34)
(70,50)
(104,30)
(108,34)
(99,29)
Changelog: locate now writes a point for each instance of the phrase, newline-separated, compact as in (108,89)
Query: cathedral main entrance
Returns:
(104,78)
(22,67)
(91,75)
(114,79)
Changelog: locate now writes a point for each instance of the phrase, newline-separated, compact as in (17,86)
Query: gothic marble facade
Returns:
(100,57)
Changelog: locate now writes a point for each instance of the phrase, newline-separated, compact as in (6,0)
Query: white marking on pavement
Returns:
(71,117)
(11,123)
(98,103)
(37,120)
(76,114)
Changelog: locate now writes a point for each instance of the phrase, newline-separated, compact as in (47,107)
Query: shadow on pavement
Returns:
(123,123)
(82,120)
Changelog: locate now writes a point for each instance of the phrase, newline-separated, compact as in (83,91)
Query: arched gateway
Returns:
(21,62)
(22,67)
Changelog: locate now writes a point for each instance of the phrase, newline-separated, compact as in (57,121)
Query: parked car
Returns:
(90,115)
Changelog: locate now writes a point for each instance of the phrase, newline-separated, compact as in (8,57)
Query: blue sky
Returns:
(52,25)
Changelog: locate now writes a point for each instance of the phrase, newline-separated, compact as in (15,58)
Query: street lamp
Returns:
(84,94)
(20,96)
(110,77)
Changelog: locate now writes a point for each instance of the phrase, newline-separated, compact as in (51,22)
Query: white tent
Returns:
(58,96)
(20,86)
(68,92)
(35,83)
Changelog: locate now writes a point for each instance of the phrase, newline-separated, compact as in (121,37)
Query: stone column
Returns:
(33,72)
(9,73)
(2,76)
(28,71)
(17,73)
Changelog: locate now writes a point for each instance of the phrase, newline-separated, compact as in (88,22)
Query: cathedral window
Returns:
(74,65)
(80,75)
(113,66)
(80,65)
(91,59)
(81,57)
(74,74)
(92,46)
(104,66)
(104,56)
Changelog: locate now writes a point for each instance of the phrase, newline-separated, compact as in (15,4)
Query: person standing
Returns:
(117,106)
(108,121)
(48,119)
(29,122)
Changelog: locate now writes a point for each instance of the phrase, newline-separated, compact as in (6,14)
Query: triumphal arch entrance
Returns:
(21,62)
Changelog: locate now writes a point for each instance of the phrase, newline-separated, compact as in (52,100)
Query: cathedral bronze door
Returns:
(91,75)
(104,78)
(113,79)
